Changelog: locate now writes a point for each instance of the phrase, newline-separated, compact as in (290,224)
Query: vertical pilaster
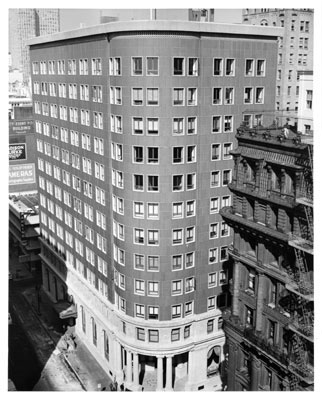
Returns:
(159,373)
(168,385)
(254,377)
(128,366)
(136,369)
(260,302)
(236,285)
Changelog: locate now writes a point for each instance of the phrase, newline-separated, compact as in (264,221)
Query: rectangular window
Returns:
(216,124)
(218,66)
(177,210)
(210,326)
(177,155)
(178,96)
(138,209)
(137,124)
(192,96)
(190,260)
(152,95)
(215,151)
(153,237)
(260,67)
(190,234)
(191,125)
(224,229)
(176,287)
(139,287)
(153,288)
(309,99)
(178,126)
(227,148)
(230,67)
(153,335)
(213,255)
(177,262)
(177,236)
(152,155)
(228,123)
(175,334)
(176,311)
(178,66)
(140,332)
(217,96)
(138,182)
(137,66)
(177,183)
(153,210)
(213,230)
(191,208)
(152,66)
(152,126)
(188,308)
(153,312)
(137,96)
(212,279)
(191,181)
(139,262)
(138,154)
(153,263)
(193,66)
(153,183)
(229,95)
(215,179)
(259,95)
(249,67)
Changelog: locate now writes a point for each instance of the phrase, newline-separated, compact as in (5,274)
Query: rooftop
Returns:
(28,203)
(158,25)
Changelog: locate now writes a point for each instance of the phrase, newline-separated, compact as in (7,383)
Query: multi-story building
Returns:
(295,52)
(135,122)
(24,24)
(305,111)
(269,328)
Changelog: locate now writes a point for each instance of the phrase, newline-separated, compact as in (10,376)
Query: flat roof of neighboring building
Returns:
(157,25)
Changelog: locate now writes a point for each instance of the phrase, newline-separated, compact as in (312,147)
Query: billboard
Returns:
(17,151)
(21,127)
(22,174)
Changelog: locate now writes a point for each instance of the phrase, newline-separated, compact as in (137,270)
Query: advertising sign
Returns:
(21,127)
(21,174)
(17,151)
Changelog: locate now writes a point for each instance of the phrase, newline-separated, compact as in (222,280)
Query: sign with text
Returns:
(26,126)
(22,174)
(17,151)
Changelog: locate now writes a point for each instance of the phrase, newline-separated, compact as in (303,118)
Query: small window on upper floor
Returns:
(193,66)
(152,66)
(178,66)
(137,66)
(218,66)
(260,68)
(230,67)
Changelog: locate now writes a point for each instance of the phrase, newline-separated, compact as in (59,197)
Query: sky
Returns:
(73,18)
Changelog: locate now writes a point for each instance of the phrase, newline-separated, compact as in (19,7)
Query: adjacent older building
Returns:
(135,122)
(270,325)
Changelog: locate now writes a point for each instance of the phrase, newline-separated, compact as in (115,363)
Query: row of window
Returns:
(72,116)
(181,66)
(180,96)
(178,286)
(71,136)
(81,92)
(140,125)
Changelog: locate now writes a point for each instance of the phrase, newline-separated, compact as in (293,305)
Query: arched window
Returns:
(213,361)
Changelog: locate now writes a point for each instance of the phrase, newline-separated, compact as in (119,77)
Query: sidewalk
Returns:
(75,370)
(89,373)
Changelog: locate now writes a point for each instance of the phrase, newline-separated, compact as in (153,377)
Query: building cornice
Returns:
(160,26)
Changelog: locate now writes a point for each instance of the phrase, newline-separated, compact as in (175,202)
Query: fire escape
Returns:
(301,294)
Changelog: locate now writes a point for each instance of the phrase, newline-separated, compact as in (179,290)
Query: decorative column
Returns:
(118,360)
(136,369)
(283,182)
(297,184)
(254,375)
(260,302)
(258,168)
(236,283)
(168,386)
(128,367)
(269,179)
(159,373)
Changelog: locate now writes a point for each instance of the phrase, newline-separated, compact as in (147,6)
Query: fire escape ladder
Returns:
(299,352)
(309,219)
(293,381)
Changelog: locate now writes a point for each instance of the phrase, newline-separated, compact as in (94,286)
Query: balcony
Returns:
(303,329)
(303,372)
(227,213)
(264,345)
(301,243)
(273,196)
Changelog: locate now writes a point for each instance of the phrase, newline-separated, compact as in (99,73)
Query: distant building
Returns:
(24,24)
(295,53)
(135,122)
(305,111)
